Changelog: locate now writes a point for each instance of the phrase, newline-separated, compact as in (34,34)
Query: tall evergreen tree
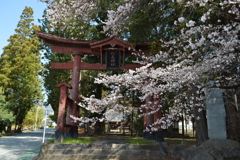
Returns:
(6,117)
(20,66)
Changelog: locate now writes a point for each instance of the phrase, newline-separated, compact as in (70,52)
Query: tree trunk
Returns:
(9,129)
(193,122)
(232,115)
(200,119)
(1,128)
(19,129)
(170,131)
(89,130)
(98,128)
(183,126)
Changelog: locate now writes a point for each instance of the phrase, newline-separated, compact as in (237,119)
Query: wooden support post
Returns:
(62,105)
(59,134)
(74,109)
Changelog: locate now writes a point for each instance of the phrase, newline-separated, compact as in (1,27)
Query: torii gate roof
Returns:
(91,47)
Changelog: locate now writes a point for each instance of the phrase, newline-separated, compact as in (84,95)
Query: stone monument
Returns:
(216,114)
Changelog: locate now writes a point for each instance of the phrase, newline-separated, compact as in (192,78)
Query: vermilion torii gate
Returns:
(114,49)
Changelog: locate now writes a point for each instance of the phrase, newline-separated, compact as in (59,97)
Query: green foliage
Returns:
(34,117)
(20,67)
(153,22)
(88,87)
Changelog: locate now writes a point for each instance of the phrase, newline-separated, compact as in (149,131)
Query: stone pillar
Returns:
(216,114)
(59,133)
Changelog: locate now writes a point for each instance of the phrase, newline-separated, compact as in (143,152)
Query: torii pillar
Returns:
(61,130)
(74,109)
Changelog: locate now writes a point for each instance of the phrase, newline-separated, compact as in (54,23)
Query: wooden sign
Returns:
(113,59)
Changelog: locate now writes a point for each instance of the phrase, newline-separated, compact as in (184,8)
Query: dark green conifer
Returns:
(20,68)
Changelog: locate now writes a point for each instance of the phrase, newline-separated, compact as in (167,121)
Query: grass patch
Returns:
(79,140)
(186,141)
(51,141)
(138,141)
(75,140)
(180,139)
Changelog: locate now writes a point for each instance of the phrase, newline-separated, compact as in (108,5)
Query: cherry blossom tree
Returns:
(206,49)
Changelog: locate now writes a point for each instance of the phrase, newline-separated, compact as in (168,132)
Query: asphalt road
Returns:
(24,146)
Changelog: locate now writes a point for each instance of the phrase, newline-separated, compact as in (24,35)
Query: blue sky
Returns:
(10,11)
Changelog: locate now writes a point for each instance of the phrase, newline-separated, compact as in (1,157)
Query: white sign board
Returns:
(48,110)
